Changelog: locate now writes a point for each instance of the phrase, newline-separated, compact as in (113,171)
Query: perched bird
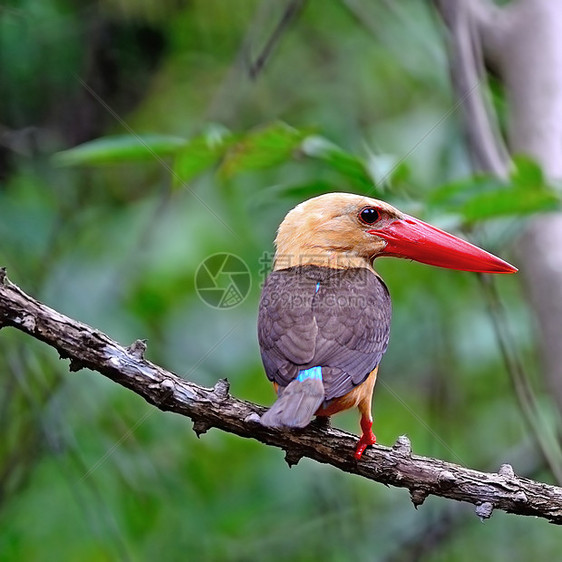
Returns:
(324,315)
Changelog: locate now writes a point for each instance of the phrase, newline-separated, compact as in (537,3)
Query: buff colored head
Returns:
(345,230)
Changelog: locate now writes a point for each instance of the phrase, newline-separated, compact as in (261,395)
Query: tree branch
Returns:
(462,19)
(214,407)
(292,10)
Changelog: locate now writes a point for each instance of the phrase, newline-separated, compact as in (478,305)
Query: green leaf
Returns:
(125,148)
(509,202)
(261,148)
(351,167)
(527,173)
(455,194)
(485,197)
(201,153)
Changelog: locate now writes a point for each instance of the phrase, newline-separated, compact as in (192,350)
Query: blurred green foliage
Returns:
(135,144)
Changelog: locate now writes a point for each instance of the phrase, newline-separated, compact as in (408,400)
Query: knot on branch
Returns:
(137,349)
(27,322)
(252,418)
(292,457)
(200,427)
(484,510)
(521,497)
(446,479)
(417,495)
(165,389)
(75,365)
(403,446)
(506,470)
(221,390)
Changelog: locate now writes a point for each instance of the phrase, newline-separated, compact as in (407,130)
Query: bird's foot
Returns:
(368,438)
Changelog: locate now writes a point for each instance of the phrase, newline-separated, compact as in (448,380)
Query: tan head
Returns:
(343,230)
(328,230)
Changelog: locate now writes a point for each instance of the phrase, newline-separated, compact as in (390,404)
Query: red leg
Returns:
(368,437)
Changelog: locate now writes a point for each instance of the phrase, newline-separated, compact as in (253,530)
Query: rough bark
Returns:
(214,407)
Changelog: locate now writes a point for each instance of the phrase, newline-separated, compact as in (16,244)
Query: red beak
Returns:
(414,239)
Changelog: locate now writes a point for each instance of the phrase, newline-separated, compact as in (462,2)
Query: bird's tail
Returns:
(296,404)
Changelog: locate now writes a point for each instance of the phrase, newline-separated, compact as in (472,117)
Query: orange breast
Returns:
(361,397)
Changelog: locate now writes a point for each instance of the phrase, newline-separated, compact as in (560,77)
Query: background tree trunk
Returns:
(523,43)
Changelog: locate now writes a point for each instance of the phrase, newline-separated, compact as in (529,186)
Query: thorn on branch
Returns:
(75,365)
(292,457)
(252,418)
(417,495)
(403,446)
(446,479)
(221,389)
(506,470)
(166,389)
(137,349)
(484,510)
(28,322)
(200,427)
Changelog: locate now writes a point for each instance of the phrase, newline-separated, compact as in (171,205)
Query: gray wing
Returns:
(287,329)
(342,325)
(353,313)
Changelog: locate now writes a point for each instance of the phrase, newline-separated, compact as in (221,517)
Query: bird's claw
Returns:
(368,438)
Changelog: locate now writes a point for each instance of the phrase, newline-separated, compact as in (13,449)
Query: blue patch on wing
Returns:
(312,373)
(317,287)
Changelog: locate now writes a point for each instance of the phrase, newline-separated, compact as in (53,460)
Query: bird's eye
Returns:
(369,215)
